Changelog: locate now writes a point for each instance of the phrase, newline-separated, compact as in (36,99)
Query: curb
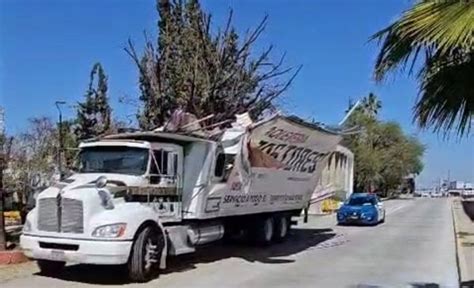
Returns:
(12,257)
(462,265)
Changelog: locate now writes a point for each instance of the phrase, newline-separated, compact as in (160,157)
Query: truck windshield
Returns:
(113,159)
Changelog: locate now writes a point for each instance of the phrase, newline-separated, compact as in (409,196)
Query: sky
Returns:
(48,47)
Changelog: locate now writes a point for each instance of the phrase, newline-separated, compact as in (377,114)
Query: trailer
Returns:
(140,197)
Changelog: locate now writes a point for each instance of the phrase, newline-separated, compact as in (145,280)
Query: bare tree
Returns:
(203,72)
(5,147)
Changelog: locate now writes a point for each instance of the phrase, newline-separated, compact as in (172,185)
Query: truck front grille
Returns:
(72,215)
(48,215)
(60,215)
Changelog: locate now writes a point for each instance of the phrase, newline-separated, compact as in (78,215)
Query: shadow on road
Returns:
(299,240)
(412,285)
(425,285)
(467,284)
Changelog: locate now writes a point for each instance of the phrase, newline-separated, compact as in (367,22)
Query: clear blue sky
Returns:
(47,49)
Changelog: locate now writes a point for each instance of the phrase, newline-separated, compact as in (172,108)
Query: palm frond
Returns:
(446,98)
(442,32)
(440,26)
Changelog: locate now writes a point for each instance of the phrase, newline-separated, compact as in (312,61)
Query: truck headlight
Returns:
(27,226)
(110,231)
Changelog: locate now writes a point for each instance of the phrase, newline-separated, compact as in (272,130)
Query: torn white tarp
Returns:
(230,140)
(296,150)
(242,120)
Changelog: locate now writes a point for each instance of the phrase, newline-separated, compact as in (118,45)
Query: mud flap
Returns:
(164,252)
(305,218)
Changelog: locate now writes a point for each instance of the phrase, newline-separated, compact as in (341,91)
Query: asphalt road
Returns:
(414,248)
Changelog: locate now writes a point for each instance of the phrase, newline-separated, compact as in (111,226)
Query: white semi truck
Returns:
(137,198)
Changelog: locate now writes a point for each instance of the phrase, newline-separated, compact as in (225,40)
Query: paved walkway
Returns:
(465,244)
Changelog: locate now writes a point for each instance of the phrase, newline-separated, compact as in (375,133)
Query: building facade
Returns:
(337,179)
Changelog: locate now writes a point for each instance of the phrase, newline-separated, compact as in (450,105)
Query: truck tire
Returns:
(145,256)
(232,231)
(264,230)
(282,227)
(50,268)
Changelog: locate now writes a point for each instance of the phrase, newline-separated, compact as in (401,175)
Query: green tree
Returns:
(202,72)
(367,164)
(70,143)
(383,154)
(94,114)
(441,32)
(400,156)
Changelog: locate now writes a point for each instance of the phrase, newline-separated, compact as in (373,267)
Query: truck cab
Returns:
(112,207)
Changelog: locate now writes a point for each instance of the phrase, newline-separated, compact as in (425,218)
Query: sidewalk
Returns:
(464,229)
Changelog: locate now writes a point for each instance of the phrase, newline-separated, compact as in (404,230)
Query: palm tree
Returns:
(442,33)
(371,105)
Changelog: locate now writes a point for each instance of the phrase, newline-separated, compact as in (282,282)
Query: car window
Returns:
(359,201)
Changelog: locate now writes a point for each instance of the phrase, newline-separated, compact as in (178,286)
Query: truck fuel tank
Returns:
(205,233)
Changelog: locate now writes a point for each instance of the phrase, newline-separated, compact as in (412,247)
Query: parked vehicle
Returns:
(361,208)
(139,197)
(436,194)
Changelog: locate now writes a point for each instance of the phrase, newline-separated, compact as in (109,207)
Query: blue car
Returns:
(361,208)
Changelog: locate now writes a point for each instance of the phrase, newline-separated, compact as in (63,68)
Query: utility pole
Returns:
(60,134)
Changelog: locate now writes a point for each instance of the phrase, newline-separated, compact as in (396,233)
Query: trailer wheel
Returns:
(144,260)
(264,230)
(50,268)
(282,227)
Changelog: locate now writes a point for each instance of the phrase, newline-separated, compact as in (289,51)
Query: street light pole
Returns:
(60,134)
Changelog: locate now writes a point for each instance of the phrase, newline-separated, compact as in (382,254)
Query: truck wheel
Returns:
(232,232)
(50,268)
(264,231)
(144,260)
(282,226)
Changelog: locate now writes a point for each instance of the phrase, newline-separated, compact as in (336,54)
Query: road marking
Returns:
(396,209)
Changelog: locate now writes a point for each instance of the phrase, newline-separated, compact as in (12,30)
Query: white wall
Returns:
(338,175)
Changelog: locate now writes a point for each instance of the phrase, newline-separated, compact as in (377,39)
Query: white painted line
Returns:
(396,209)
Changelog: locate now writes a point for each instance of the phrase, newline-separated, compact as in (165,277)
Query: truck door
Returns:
(166,176)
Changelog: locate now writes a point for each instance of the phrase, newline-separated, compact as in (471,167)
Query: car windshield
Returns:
(359,201)
(113,159)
